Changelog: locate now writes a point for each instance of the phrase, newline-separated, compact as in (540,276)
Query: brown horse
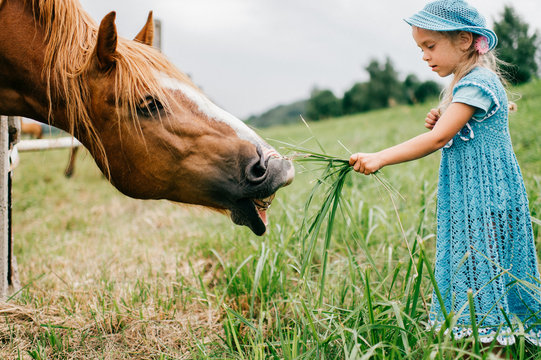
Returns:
(32,128)
(151,131)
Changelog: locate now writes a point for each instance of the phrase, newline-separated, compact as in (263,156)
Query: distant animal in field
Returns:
(33,129)
(151,131)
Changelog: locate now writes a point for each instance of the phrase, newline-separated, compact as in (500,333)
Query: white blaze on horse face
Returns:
(212,111)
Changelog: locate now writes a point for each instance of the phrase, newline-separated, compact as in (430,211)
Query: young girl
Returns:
(484,238)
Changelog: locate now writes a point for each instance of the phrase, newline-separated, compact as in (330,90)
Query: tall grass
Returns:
(113,278)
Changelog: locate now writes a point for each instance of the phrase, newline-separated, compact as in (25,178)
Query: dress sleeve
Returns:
(483,100)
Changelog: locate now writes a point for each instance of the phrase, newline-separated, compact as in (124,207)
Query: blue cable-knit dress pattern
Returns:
(484,239)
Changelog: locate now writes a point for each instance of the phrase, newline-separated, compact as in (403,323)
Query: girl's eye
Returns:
(149,106)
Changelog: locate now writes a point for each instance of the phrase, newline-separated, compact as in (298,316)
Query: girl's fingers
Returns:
(433,114)
(429,124)
(357,166)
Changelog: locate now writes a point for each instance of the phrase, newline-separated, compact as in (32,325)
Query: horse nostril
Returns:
(257,170)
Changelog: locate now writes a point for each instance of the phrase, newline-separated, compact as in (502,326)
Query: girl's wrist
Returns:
(382,158)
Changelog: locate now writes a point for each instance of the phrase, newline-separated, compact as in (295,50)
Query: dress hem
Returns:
(504,336)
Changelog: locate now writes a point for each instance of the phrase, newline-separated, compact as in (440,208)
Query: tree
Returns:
(356,99)
(384,86)
(516,47)
(323,104)
(426,90)
(410,85)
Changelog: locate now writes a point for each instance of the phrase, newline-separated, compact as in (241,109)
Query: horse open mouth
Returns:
(262,205)
(252,213)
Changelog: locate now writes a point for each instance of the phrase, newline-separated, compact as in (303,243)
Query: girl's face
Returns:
(442,53)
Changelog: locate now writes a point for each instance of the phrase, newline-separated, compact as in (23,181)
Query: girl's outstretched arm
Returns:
(453,119)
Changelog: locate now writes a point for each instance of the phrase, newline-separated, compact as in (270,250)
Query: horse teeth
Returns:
(265,203)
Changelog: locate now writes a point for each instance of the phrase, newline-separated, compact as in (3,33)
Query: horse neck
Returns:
(23,88)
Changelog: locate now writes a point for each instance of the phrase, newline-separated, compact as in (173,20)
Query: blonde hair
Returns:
(472,59)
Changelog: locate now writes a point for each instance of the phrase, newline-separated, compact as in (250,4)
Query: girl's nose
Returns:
(425,57)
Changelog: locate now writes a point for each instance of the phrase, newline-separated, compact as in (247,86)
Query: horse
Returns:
(151,131)
(33,129)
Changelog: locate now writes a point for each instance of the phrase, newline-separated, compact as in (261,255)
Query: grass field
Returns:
(108,277)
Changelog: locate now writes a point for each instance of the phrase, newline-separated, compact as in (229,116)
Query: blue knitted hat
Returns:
(450,15)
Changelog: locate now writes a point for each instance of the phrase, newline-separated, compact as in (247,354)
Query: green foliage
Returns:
(323,104)
(517,46)
(384,86)
(383,89)
(416,91)
(426,90)
(356,99)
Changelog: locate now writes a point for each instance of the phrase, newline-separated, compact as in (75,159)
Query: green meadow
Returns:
(108,277)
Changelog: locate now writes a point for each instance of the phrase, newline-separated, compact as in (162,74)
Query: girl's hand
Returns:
(431,118)
(366,163)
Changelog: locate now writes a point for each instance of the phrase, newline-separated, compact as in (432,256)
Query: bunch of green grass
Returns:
(334,173)
(333,178)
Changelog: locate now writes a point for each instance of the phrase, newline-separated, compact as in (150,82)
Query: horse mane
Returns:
(71,36)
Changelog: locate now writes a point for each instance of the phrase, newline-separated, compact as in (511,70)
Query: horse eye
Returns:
(149,106)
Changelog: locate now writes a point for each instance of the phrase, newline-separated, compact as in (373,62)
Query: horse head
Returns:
(151,131)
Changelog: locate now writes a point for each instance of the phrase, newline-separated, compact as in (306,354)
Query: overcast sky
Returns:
(251,55)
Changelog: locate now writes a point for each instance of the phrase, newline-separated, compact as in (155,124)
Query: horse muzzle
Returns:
(262,179)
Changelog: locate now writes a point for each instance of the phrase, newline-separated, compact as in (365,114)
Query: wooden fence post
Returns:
(4,205)
(8,268)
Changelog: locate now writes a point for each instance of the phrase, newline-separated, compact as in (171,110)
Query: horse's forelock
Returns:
(70,37)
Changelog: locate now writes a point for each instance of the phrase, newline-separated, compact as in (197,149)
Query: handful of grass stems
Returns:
(335,171)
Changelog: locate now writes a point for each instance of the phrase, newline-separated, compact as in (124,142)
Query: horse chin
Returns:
(248,214)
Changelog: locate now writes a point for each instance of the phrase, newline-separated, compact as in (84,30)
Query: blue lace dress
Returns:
(484,238)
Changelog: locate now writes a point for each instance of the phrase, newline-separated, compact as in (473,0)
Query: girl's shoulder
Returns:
(482,89)
(482,76)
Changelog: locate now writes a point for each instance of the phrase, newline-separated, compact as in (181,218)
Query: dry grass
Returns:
(49,333)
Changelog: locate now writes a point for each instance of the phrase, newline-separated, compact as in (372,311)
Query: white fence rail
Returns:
(47,144)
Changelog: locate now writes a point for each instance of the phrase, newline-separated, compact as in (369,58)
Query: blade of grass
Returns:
(328,235)
(257,276)
(473,323)
(400,322)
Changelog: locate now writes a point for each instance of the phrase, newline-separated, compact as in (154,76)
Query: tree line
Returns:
(518,49)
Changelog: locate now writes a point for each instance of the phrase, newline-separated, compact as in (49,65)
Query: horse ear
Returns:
(146,35)
(107,41)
